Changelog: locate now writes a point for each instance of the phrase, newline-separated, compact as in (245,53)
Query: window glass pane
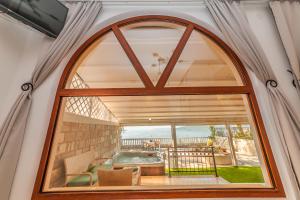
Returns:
(153,42)
(172,141)
(203,63)
(104,65)
(143,131)
(145,137)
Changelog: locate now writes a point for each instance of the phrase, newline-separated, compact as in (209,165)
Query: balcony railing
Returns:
(142,143)
(191,161)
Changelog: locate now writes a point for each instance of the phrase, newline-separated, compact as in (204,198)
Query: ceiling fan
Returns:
(162,60)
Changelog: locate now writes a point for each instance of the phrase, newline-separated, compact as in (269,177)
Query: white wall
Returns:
(20,48)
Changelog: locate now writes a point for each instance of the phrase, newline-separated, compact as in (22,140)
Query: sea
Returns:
(164,131)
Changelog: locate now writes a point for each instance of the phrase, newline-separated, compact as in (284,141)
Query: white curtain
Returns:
(287,15)
(238,34)
(81,17)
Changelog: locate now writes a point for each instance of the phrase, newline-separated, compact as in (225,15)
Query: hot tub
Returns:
(150,162)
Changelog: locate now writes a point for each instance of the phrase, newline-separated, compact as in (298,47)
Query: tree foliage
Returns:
(243,134)
(213,132)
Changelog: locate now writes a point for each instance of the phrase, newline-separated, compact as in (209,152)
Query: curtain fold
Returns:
(287,14)
(238,34)
(81,17)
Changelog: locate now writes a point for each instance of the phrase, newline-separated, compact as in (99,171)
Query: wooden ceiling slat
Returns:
(166,104)
(187,114)
(206,121)
(181,107)
(175,111)
(169,98)
(154,118)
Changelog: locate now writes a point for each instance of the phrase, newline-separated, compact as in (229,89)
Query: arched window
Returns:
(156,107)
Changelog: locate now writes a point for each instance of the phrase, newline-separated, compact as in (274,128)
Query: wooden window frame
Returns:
(160,89)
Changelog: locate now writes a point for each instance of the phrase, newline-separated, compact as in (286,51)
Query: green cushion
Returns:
(83,180)
(93,168)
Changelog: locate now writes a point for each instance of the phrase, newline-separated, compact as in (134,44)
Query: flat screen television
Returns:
(47,16)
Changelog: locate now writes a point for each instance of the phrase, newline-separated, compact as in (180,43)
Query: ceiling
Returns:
(202,63)
(178,108)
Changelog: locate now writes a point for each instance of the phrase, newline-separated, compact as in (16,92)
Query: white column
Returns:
(231,145)
(174,138)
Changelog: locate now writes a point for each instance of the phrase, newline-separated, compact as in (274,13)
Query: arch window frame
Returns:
(159,89)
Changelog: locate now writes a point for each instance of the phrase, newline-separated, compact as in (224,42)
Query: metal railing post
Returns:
(214,160)
(169,162)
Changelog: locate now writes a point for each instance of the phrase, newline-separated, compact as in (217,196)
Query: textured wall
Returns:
(75,138)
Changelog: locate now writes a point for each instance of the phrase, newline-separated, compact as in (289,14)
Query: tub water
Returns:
(151,163)
(137,158)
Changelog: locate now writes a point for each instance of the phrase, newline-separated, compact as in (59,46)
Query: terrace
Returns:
(140,99)
(154,139)
(162,149)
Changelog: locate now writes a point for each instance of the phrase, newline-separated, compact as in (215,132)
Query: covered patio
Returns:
(140,99)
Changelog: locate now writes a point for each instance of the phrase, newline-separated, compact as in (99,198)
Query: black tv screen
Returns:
(48,16)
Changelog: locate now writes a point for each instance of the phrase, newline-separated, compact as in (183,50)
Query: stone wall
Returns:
(78,136)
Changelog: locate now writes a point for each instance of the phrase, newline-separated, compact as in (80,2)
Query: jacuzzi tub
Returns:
(151,162)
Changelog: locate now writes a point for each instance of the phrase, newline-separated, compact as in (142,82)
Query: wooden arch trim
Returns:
(139,68)
(275,191)
(115,27)
(175,56)
(132,57)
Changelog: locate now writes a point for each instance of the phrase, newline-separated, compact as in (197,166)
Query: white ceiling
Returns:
(202,63)
(177,108)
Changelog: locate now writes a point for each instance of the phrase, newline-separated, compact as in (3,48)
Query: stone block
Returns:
(69,136)
(59,138)
(61,148)
(66,127)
